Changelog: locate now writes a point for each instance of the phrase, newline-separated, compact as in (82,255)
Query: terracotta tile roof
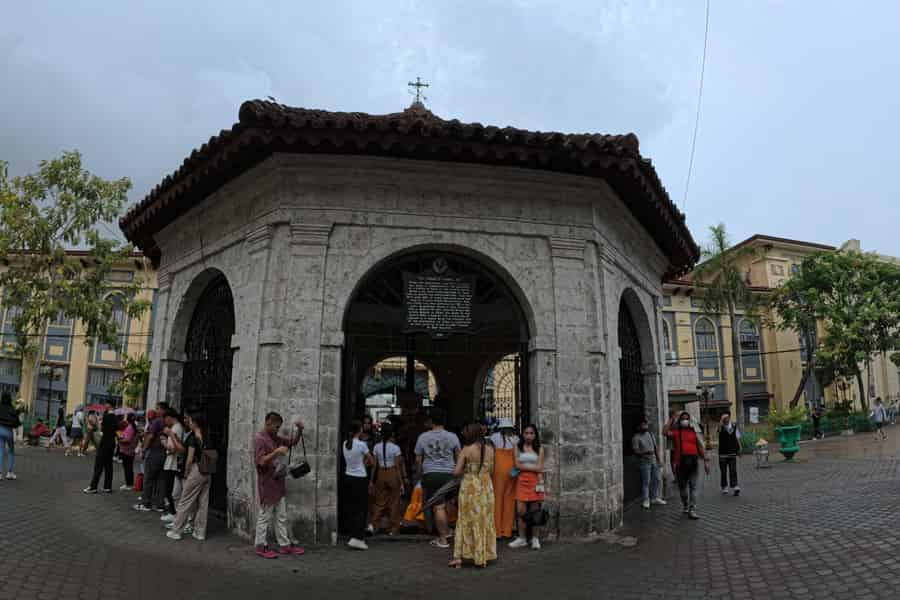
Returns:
(265,127)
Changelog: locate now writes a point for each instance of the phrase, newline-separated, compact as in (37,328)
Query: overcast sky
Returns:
(799,123)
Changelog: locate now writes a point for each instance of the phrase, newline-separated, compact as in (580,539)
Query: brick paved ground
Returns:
(823,527)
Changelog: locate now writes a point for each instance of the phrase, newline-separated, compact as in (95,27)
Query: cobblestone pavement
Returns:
(822,527)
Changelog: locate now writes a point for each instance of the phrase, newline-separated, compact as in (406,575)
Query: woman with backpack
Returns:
(687,453)
(194,501)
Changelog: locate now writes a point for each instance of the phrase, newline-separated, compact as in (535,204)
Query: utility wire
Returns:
(687,183)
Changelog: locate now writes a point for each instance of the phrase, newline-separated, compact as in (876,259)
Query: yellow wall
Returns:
(81,354)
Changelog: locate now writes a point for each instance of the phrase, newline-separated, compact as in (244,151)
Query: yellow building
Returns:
(698,346)
(72,372)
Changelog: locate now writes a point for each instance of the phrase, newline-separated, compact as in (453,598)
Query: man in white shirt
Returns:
(173,431)
(436,453)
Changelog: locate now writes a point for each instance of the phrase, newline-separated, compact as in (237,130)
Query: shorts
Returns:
(77,433)
(432,482)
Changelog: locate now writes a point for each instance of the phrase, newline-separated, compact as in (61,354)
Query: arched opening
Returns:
(445,310)
(632,389)
(500,391)
(384,380)
(206,383)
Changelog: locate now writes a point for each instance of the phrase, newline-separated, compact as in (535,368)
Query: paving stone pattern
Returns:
(823,527)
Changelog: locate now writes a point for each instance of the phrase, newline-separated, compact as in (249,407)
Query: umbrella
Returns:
(123,410)
(446,492)
(96,408)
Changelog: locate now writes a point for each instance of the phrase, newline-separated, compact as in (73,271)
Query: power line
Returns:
(743,355)
(687,183)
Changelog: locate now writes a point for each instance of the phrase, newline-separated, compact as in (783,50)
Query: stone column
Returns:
(578,423)
(314,359)
(156,383)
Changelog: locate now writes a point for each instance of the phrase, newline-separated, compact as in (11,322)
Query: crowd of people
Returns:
(489,484)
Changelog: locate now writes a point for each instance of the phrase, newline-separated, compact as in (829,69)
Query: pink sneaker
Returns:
(292,550)
(264,552)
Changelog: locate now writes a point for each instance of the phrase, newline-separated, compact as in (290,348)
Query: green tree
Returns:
(133,385)
(724,282)
(42,215)
(857,299)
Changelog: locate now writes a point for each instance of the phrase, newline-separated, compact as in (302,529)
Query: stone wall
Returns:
(296,234)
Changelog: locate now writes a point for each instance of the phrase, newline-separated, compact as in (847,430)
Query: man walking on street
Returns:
(729,450)
(879,418)
(644,445)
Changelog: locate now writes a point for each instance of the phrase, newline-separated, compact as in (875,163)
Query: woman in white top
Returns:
(356,485)
(388,479)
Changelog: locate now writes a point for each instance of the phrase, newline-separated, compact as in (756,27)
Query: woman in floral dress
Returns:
(476,537)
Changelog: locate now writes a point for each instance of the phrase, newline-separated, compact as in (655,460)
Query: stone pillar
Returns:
(250,292)
(156,386)
(314,362)
(578,491)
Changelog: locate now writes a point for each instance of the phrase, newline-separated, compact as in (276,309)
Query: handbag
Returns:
(536,517)
(209,461)
(302,468)
(514,472)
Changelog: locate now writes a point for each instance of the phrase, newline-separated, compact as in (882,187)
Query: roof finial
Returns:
(420,95)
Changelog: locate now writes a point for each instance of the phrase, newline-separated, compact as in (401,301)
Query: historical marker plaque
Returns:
(438,304)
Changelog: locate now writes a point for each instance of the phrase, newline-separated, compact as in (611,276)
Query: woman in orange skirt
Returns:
(529,460)
(504,441)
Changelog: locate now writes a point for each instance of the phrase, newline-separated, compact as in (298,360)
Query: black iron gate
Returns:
(206,384)
(632,388)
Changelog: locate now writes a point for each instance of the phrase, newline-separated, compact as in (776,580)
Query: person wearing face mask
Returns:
(729,450)
(688,451)
(645,447)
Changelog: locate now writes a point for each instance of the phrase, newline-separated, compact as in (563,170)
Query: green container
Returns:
(788,440)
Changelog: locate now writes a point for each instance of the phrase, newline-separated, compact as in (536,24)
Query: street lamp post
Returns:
(52,373)
(705,393)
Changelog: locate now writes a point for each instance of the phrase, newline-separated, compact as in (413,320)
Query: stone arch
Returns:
(636,376)
(340,292)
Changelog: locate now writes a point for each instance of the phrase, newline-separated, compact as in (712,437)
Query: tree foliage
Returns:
(723,280)
(856,297)
(44,214)
(134,380)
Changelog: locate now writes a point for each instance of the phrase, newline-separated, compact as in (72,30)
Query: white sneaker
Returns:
(167,518)
(198,537)
(535,544)
(87,490)
(125,488)
(370,529)
(658,502)
(11,475)
(646,504)
(519,542)
(726,491)
(357,544)
(172,535)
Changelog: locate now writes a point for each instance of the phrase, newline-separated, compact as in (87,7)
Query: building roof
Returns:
(264,128)
(760,239)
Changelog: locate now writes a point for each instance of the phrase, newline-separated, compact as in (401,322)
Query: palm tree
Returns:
(725,285)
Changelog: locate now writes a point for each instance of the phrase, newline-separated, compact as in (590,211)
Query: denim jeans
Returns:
(7,443)
(687,485)
(651,481)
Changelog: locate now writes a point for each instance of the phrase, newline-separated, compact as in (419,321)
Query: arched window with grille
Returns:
(668,348)
(706,349)
(751,357)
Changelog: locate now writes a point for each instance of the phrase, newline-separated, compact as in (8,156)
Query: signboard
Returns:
(438,304)
(754,414)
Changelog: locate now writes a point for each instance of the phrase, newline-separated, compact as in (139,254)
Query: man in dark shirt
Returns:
(154,495)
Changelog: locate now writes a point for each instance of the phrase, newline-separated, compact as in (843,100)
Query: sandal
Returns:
(455,564)
(437,544)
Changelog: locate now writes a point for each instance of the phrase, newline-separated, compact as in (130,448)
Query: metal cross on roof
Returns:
(419,93)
